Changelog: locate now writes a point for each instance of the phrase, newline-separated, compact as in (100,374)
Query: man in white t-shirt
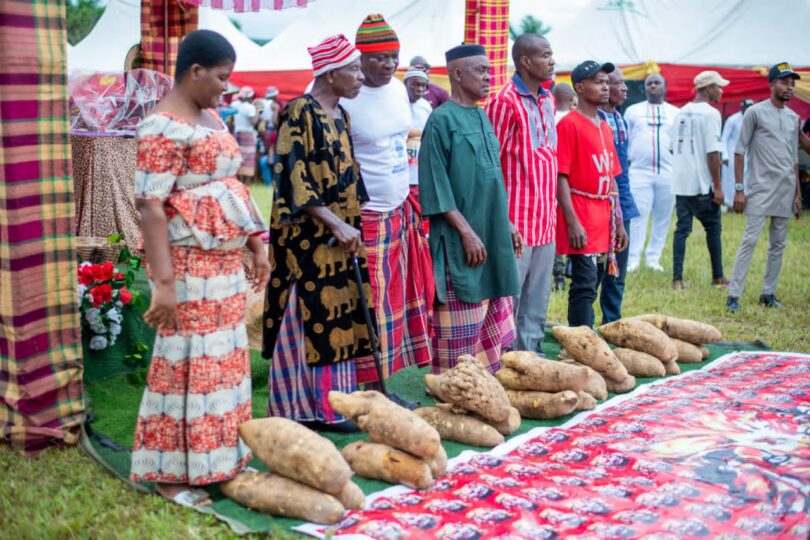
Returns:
(649,126)
(696,174)
(401,287)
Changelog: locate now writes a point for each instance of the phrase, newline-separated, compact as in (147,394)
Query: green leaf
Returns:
(114,238)
(134,263)
(124,255)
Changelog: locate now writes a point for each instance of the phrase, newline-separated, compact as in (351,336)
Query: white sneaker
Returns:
(632,267)
(655,266)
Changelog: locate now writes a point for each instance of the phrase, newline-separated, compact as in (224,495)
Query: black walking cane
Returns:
(372,335)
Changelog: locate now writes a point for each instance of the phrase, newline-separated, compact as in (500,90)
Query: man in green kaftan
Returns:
(473,244)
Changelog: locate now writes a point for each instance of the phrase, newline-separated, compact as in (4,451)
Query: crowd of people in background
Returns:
(417,223)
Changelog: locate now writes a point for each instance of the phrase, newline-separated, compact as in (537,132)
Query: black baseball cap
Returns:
(782,70)
(588,69)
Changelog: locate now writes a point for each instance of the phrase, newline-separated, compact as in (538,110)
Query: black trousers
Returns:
(586,276)
(703,208)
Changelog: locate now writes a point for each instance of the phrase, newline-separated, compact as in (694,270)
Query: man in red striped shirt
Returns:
(522,113)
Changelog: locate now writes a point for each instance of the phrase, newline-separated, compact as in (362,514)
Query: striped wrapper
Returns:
(40,344)
(161,19)
(486,23)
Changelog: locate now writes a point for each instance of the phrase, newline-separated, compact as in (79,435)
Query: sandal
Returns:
(191,498)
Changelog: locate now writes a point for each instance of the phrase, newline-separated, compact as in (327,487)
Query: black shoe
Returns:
(733,304)
(559,283)
(769,300)
(346,426)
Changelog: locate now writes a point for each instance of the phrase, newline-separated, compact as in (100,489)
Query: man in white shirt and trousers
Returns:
(731,132)
(649,126)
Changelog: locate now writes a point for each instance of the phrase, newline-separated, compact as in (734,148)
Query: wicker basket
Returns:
(96,249)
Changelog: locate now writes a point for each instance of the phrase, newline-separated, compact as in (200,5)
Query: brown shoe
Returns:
(679,284)
(720,282)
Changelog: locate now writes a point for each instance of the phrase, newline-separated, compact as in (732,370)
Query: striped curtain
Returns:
(163,25)
(40,343)
(487,23)
(241,6)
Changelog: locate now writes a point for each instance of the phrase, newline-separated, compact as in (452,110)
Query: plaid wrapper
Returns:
(297,390)
(487,23)
(481,330)
(163,25)
(386,235)
(40,343)
(241,6)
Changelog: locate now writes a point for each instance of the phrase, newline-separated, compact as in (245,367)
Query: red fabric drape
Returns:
(163,25)
(487,23)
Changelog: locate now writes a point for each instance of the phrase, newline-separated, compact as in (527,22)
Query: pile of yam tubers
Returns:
(476,409)
(310,479)
(404,449)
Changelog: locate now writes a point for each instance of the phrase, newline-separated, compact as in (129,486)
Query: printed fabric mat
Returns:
(717,453)
(114,405)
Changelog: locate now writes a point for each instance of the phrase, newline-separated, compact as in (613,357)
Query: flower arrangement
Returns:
(104,295)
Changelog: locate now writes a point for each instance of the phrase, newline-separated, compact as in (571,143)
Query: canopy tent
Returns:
(679,38)
(119,28)
(424,27)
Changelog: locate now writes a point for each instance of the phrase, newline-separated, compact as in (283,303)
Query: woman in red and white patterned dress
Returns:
(196,217)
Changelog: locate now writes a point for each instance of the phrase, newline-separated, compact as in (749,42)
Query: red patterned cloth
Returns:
(487,23)
(722,452)
(198,389)
(40,343)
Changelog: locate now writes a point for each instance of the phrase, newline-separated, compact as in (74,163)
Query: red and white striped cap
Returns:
(332,53)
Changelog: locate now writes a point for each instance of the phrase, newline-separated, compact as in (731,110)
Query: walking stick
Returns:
(372,336)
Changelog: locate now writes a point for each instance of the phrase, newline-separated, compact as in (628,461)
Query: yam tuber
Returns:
(595,384)
(380,461)
(586,401)
(704,352)
(621,387)
(437,463)
(640,336)
(294,451)
(672,368)
(530,371)
(386,422)
(543,405)
(461,428)
(687,353)
(470,385)
(640,364)
(658,321)
(352,497)
(692,331)
(587,348)
(280,496)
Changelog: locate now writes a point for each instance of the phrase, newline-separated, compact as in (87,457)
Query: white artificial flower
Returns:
(85,263)
(92,314)
(115,329)
(114,315)
(98,343)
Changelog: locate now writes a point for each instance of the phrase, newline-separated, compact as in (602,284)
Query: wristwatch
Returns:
(739,187)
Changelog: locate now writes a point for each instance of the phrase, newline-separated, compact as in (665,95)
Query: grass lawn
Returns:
(64,494)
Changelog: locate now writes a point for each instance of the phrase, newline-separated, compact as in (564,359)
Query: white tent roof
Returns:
(690,32)
(424,27)
(119,28)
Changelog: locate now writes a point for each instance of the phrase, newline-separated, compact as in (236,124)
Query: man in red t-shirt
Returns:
(589,222)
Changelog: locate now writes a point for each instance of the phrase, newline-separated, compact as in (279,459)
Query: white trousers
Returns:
(653,195)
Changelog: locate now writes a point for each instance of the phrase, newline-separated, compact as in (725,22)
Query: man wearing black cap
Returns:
(472,242)
(589,219)
(731,132)
(769,136)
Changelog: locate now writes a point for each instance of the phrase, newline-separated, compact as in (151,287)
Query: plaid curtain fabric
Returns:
(487,23)
(161,19)
(40,343)
(241,6)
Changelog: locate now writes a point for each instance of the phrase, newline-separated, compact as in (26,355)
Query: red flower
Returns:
(85,275)
(125,296)
(119,275)
(101,294)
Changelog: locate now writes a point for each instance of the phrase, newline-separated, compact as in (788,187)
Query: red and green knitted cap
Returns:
(376,35)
